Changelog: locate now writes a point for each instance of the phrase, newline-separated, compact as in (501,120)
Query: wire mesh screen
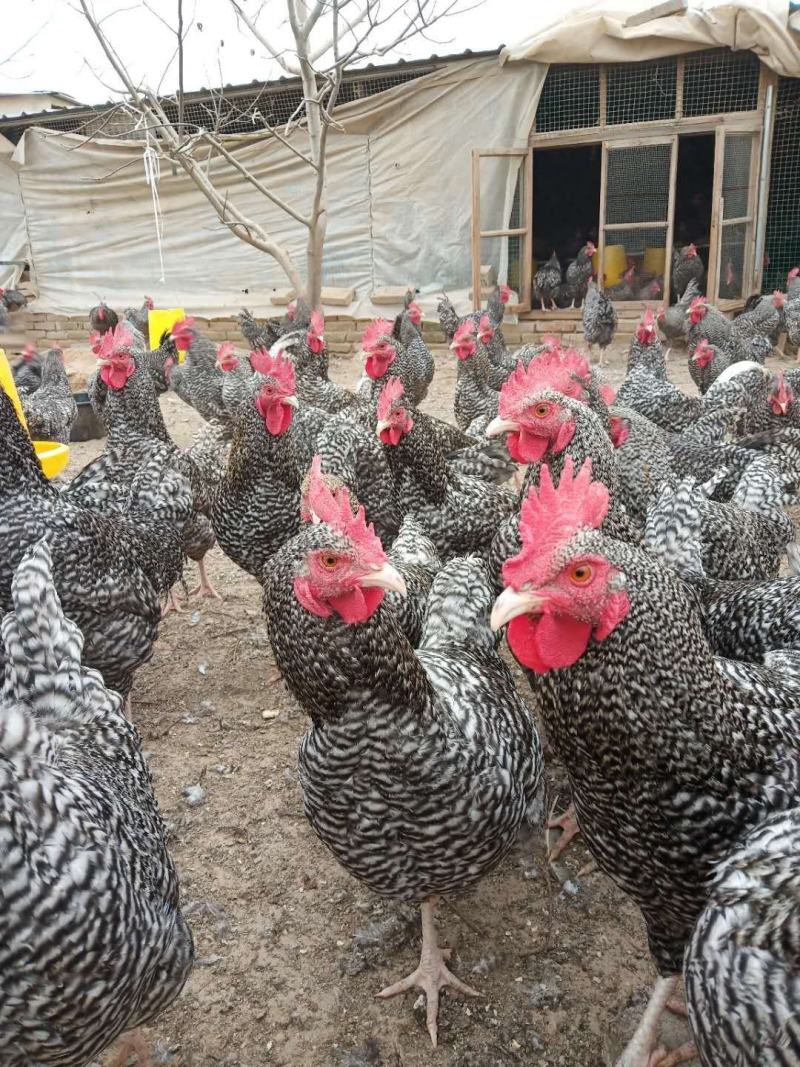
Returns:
(736,175)
(720,81)
(637,183)
(503,257)
(501,190)
(782,246)
(634,263)
(641,92)
(732,260)
(570,98)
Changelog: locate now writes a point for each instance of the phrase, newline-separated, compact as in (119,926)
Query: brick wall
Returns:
(342,333)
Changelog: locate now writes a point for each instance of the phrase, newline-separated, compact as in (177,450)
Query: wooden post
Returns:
(673,171)
(476,231)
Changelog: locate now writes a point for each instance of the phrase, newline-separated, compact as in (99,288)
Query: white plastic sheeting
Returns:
(597,34)
(13,238)
(399,202)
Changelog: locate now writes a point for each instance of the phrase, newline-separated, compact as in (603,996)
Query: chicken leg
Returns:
(432,974)
(205,588)
(171,605)
(568,824)
(131,1044)
(640,1050)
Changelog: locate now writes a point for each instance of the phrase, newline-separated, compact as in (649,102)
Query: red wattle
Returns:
(391,435)
(525,447)
(376,366)
(548,642)
(357,605)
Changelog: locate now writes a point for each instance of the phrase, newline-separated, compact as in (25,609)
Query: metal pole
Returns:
(763,187)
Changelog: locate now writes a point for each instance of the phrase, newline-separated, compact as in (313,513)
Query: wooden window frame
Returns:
(525,155)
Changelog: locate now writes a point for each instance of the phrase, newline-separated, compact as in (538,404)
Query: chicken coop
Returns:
(645,157)
(644,128)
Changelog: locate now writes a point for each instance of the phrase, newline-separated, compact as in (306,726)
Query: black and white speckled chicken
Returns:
(706,364)
(658,400)
(578,273)
(198,379)
(395,349)
(546,281)
(460,514)
(256,506)
(703,320)
(110,570)
(401,741)
(27,371)
(646,349)
(256,335)
(306,348)
(160,361)
(139,317)
(599,319)
(102,318)
(687,266)
(475,398)
(626,288)
(740,970)
(95,943)
(13,299)
(762,320)
(672,321)
(51,410)
(670,763)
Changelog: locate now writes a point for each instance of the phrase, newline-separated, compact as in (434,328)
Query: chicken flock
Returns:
(630,546)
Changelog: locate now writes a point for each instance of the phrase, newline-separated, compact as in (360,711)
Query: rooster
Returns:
(256,335)
(546,281)
(475,400)
(95,942)
(669,766)
(687,266)
(396,349)
(438,738)
(578,274)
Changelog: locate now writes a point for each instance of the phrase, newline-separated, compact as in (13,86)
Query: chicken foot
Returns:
(171,605)
(131,1044)
(640,1050)
(567,822)
(432,974)
(205,588)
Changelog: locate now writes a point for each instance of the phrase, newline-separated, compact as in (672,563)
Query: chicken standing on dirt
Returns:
(672,320)
(687,267)
(546,281)
(418,768)
(51,410)
(669,762)
(93,941)
(599,320)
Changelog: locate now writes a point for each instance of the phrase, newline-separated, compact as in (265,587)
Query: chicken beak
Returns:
(381,427)
(385,577)
(497,427)
(511,603)
(292,401)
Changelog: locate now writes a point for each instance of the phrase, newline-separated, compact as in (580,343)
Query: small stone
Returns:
(194,795)
(207,961)
(202,669)
(194,618)
(271,713)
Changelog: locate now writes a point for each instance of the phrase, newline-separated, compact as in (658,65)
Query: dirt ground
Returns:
(290,948)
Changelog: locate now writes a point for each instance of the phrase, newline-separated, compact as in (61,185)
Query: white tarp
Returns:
(13,238)
(597,34)
(399,202)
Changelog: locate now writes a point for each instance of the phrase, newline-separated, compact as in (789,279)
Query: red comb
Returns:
(333,507)
(485,329)
(148,303)
(317,322)
(549,370)
(414,312)
(391,392)
(114,341)
(505,294)
(374,331)
(276,367)
(550,516)
(464,331)
(291,311)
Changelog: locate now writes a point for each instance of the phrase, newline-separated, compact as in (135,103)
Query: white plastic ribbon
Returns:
(152,174)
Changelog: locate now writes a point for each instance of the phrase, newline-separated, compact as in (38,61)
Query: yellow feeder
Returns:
(616,263)
(53,456)
(654,261)
(164,319)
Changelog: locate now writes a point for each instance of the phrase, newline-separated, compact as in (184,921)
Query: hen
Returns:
(646,350)
(103,318)
(396,349)
(475,401)
(670,764)
(546,281)
(599,320)
(672,320)
(687,267)
(256,335)
(51,410)
(27,371)
(95,942)
(401,742)
(578,274)
(706,364)
(139,318)
(198,380)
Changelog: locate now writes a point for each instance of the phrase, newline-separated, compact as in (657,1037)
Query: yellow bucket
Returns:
(53,456)
(164,319)
(654,261)
(616,263)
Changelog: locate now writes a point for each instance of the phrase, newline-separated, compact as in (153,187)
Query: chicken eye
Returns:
(541,411)
(329,561)
(582,574)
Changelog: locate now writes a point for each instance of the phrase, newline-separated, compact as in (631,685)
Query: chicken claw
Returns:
(205,588)
(171,605)
(431,975)
(131,1044)
(568,824)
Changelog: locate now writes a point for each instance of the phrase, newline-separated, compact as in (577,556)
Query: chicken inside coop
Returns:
(693,201)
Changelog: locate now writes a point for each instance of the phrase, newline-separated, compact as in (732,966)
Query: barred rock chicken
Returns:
(161,360)
(706,322)
(672,320)
(706,364)
(670,763)
(646,349)
(401,742)
(256,506)
(459,513)
(256,335)
(397,350)
(624,290)
(578,274)
(599,320)
(103,318)
(237,379)
(762,320)
(27,371)
(658,400)
(306,348)
(545,282)
(95,942)
(139,318)
(740,971)
(110,571)
(791,309)
(475,401)
(51,410)
(687,266)
(198,380)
